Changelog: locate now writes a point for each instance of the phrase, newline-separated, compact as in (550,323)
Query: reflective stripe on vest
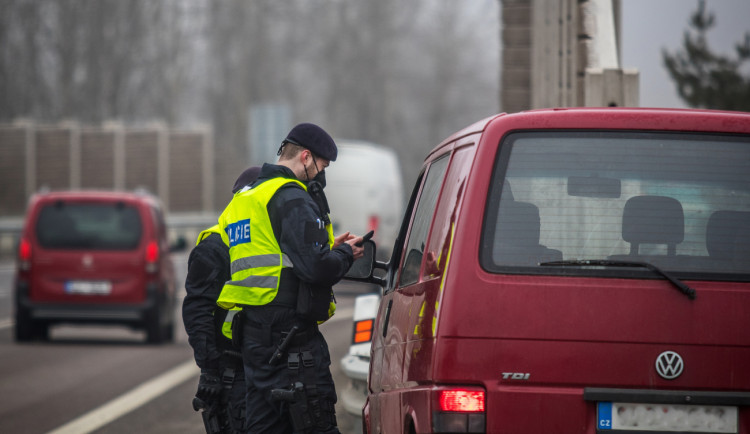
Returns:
(256,258)
(260,261)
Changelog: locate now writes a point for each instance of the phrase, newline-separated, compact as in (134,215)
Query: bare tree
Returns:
(401,73)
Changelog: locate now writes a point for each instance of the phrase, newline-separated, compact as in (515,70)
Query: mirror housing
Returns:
(363,269)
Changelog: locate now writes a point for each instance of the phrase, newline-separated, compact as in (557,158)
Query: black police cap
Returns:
(314,138)
(247,177)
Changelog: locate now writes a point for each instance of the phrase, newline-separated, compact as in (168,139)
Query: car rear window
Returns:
(92,226)
(677,201)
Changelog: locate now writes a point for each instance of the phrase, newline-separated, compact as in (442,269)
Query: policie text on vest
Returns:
(238,233)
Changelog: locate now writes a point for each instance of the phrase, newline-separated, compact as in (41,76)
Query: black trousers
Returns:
(235,402)
(264,414)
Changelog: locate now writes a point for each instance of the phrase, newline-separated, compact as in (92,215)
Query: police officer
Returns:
(208,327)
(284,262)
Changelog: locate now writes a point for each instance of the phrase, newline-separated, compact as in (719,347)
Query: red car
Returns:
(572,271)
(94,257)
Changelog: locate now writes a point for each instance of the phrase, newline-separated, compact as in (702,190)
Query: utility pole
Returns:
(563,53)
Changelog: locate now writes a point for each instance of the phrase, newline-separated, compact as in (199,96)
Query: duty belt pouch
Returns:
(238,323)
(312,302)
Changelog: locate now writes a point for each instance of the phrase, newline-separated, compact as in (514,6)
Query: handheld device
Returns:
(365,238)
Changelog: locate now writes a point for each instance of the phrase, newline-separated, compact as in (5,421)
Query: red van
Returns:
(572,271)
(94,257)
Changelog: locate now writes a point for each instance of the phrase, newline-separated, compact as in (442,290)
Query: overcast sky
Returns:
(648,26)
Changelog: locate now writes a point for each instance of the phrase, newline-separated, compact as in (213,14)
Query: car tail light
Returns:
(24,255)
(152,257)
(373,223)
(459,410)
(363,331)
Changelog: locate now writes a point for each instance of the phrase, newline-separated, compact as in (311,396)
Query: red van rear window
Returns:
(92,226)
(674,200)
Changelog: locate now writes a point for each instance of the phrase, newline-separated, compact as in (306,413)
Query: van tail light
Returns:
(462,400)
(459,410)
(362,331)
(152,257)
(24,255)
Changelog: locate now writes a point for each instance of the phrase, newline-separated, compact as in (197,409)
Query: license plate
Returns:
(666,417)
(88,287)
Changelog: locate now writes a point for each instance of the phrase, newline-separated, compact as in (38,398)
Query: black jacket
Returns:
(208,269)
(297,223)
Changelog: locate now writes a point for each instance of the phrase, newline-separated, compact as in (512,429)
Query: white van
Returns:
(365,192)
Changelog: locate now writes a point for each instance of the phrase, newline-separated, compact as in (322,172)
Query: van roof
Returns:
(364,146)
(137,196)
(613,118)
(359,156)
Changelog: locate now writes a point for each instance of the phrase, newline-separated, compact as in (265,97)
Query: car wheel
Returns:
(154,329)
(27,330)
(41,331)
(169,332)
(23,328)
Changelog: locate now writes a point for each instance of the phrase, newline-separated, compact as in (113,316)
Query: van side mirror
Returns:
(363,268)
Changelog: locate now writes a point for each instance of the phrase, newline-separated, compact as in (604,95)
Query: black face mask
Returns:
(320,178)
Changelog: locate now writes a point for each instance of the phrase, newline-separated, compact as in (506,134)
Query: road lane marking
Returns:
(144,393)
(130,401)
(6,323)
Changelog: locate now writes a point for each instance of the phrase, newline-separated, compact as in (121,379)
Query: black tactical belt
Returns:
(268,336)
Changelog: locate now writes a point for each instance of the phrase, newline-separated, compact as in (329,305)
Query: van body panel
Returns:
(586,364)
(547,409)
(94,257)
(56,270)
(645,310)
(536,338)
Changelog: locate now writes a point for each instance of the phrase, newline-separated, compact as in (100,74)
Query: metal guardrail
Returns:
(9,225)
(10,233)
(192,220)
(12,225)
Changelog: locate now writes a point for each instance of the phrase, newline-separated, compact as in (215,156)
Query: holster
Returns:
(308,410)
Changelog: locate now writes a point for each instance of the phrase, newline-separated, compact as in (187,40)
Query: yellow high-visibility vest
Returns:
(206,232)
(255,255)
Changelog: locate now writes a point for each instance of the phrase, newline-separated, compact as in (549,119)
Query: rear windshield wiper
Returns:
(690,292)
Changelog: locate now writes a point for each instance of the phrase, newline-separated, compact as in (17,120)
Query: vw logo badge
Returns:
(669,365)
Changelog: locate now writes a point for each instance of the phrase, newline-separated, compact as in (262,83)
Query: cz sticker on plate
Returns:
(666,418)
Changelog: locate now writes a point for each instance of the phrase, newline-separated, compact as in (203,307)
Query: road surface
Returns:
(94,379)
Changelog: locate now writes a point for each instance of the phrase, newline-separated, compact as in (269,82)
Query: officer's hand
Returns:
(341,239)
(209,387)
(357,251)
